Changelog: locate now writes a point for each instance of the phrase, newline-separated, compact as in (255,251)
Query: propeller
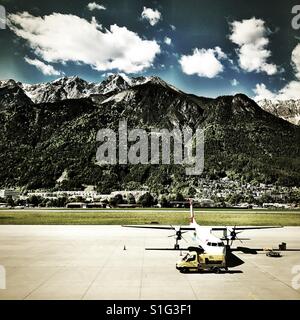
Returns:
(233,235)
(178,235)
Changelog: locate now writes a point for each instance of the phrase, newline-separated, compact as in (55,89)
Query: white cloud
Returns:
(251,37)
(46,69)
(172,27)
(262,92)
(203,62)
(167,41)
(234,82)
(152,16)
(296,60)
(290,91)
(95,6)
(81,41)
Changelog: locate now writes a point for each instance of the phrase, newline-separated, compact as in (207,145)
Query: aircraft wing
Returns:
(198,249)
(254,228)
(245,228)
(167,249)
(188,228)
(185,228)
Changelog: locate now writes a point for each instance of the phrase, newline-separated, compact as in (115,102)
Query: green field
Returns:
(147,216)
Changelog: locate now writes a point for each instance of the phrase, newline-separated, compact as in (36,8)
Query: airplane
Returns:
(210,252)
(204,237)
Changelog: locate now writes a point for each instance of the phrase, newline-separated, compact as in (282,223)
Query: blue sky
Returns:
(208,48)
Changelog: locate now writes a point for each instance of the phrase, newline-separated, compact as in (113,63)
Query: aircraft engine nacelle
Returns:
(179,234)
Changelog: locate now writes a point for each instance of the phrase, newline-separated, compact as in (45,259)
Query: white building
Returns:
(136,193)
(9,193)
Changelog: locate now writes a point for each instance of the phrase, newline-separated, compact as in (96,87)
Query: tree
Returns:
(164,202)
(119,199)
(112,202)
(58,203)
(179,197)
(10,201)
(235,198)
(146,200)
(79,199)
(191,191)
(105,202)
(266,198)
(131,199)
(35,200)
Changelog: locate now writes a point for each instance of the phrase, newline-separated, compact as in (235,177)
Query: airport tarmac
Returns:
(89,262)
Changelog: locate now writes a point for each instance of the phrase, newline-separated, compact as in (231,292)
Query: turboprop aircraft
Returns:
(210,252)
(203,235)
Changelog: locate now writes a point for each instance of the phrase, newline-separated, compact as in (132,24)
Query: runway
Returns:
(89,262)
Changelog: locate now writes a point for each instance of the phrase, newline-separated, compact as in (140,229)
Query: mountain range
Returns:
(285,109)
(48,135)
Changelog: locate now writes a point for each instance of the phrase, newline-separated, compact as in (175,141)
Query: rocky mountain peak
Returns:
(286,109)
(113,83)
(11,94)
(240,137)
(74,87)
(8,83)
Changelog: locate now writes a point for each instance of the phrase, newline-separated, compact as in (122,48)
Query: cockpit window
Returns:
(215,244)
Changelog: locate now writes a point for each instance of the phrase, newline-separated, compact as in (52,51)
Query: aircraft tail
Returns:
(192,213)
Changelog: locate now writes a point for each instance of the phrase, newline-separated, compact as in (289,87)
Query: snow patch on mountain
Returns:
(286,109)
